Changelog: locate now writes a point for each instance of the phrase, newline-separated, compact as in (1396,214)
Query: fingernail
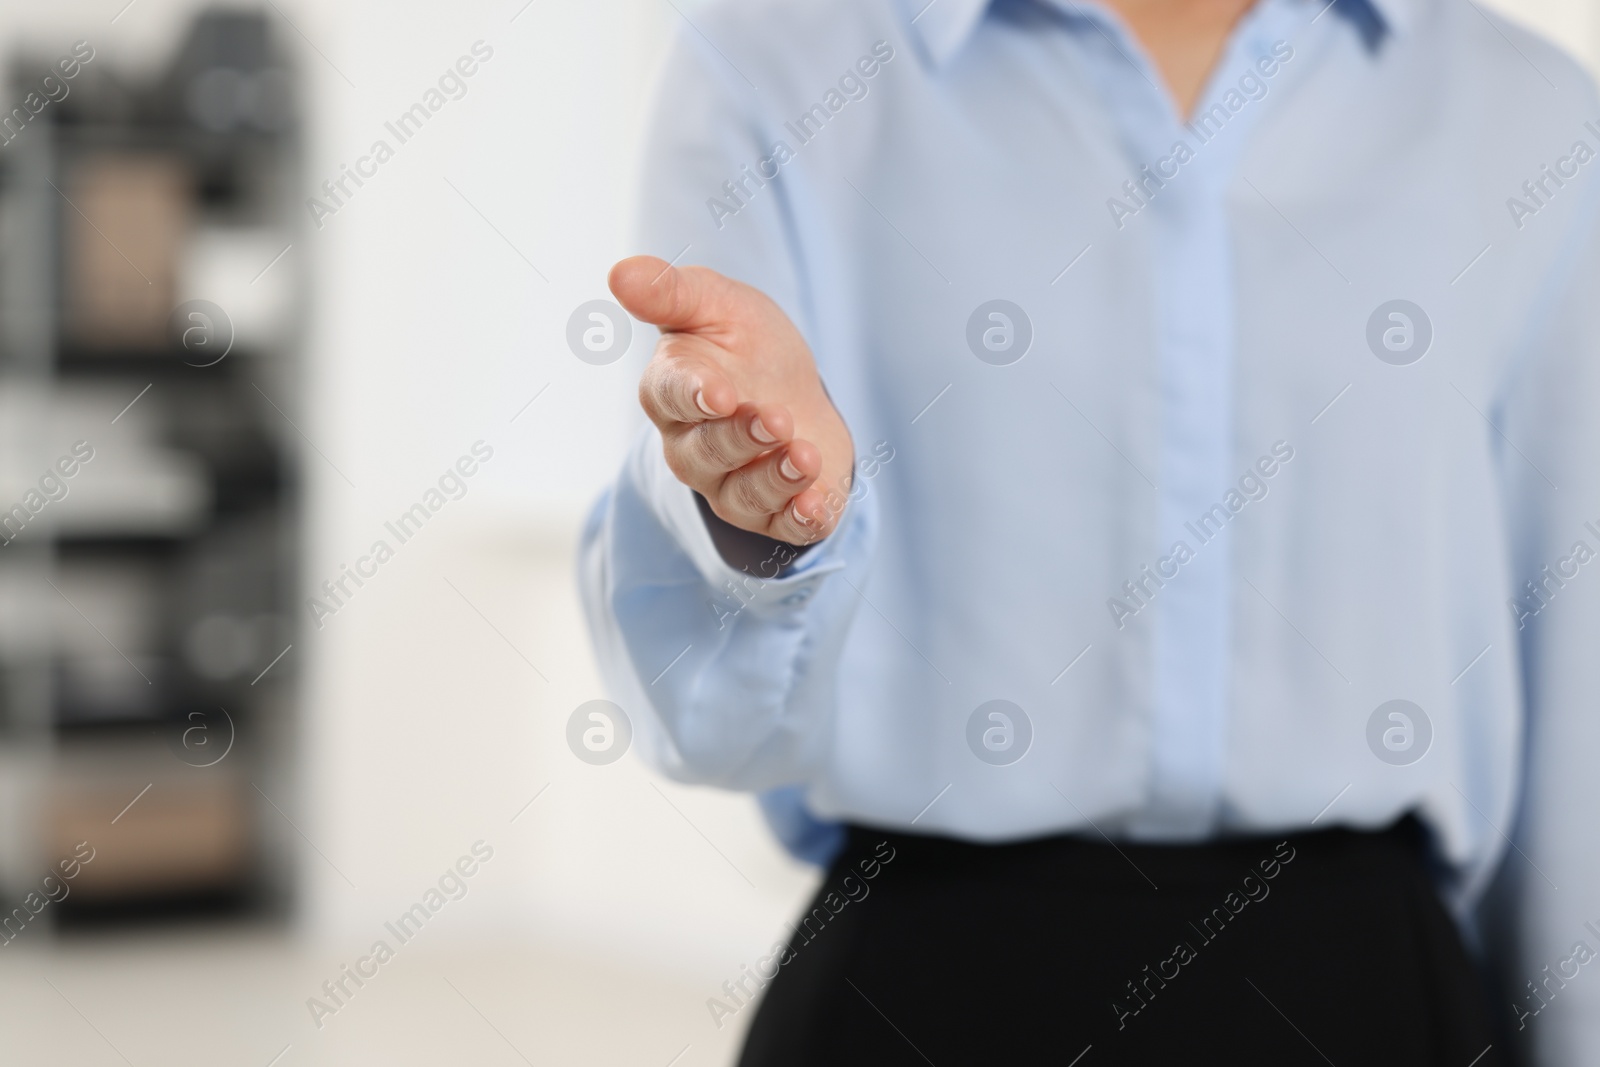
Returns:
(760,432)
(787,468)
(794,513)
(700,402)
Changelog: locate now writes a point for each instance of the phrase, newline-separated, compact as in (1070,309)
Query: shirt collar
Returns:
(941,27)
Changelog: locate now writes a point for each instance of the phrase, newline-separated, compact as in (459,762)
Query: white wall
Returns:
(425,728)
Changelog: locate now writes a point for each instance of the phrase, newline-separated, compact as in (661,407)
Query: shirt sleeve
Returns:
(728,674)
(1548,899)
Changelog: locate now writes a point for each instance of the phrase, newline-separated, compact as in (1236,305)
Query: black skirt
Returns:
(1328,947)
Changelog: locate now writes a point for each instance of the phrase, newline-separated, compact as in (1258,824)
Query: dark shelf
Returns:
(164,726)
(162,161)
(158,363)
(131,543)
(76,916)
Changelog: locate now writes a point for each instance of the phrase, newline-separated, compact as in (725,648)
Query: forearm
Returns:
(734,663)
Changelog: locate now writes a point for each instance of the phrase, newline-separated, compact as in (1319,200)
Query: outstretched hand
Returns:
(734,390)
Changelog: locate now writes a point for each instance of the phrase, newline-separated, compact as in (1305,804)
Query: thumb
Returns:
(672,298)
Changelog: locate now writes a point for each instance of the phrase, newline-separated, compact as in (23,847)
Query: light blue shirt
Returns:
(1290,415)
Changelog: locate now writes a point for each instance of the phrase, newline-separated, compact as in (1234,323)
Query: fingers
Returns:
(809,517)
(758,495)
(683,385)
(707,452)
(673,298)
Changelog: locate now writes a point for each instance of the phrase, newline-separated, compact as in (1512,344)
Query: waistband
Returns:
(1338,853)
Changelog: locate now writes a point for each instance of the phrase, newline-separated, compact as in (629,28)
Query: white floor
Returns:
(209,997)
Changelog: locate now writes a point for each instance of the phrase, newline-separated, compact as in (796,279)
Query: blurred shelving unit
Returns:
(150,320)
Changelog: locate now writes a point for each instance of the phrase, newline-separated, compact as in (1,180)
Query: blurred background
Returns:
(239,343)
